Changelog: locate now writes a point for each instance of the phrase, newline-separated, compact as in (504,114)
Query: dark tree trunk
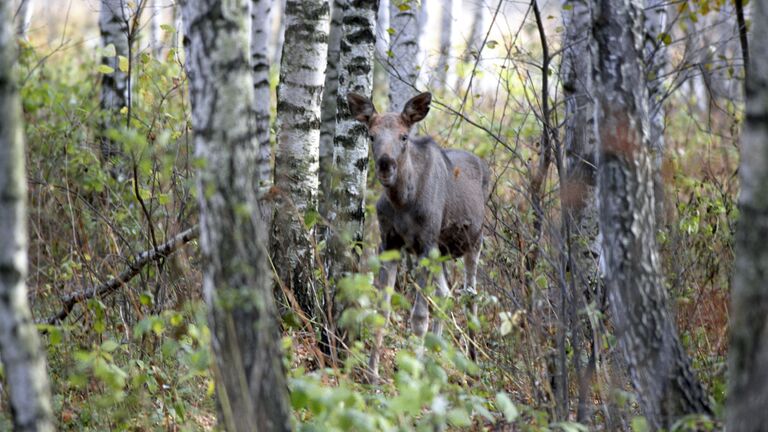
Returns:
(659,367)
(748,356)
(251,386)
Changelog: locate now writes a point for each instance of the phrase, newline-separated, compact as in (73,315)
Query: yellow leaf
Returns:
(123,63)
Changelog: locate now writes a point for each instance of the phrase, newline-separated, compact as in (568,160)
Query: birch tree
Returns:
(404,50)
(655,53)
(260,73)
(446,31)
(279,36)
(475,40)
(382,27)
(328,109)
(113,24)
(251,385)
(23,18)
(579,191)
(20,351)
(299,97)
(748,354)
(350,143)
(155,32)
(659,368)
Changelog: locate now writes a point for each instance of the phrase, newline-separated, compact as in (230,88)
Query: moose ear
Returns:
(361,107)
(417,108)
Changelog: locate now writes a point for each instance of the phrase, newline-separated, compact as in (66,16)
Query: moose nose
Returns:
(386,164)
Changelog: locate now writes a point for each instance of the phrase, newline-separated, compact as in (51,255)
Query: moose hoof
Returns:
(419,326)
(372,377)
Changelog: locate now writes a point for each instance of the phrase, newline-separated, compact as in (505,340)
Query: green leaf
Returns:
(505,405)
(109,345)
(666,38)
(458,417)
(390,255)
(639,424)
(491,44)
(404,7)
(109,51)
(310,218)
(570,427)
(105,69)
(391,31)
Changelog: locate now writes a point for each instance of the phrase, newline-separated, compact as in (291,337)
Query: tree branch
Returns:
(162,251)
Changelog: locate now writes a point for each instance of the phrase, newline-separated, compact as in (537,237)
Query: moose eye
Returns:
(403,137)
(370,137)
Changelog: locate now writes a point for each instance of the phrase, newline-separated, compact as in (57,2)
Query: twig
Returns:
(70,300)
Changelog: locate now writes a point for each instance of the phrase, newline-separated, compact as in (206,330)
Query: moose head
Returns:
(389,132)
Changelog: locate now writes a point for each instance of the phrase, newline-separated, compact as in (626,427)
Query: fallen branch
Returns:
(164,250)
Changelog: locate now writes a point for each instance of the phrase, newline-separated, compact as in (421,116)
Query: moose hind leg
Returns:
(471,259)
(387,277)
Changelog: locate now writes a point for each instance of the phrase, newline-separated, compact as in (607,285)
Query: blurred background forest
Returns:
(115,270)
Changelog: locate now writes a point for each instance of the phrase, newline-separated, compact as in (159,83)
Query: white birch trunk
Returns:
(382,35)
(279,35)
(155,32)
(350,144)
(329,109)
(251,387)
(20,351)
(260,73)
(178,29)
(299,96)
(446,31)
(404,47)
(748,354)
(477,32)
(113,24)
(23,18)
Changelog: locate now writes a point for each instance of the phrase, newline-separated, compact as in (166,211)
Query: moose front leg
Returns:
(387,277)
(442,291)
(420,310)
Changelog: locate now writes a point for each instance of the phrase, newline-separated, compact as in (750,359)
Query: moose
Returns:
(433,198)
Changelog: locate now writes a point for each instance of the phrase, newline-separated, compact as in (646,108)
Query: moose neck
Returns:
(402,192)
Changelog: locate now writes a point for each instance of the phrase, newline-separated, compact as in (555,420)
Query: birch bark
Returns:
(20,351)
(655,53)
(155,32)
(350,143)
(299,96)
(251,386)
(404,47)
(446,31)
(23,18)
(113,24)
(328,110)
(260,73)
